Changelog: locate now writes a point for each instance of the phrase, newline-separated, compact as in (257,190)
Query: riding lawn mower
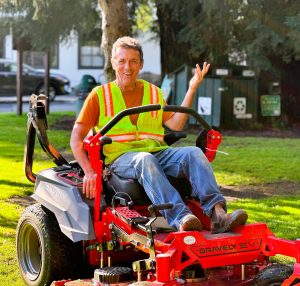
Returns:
(120,237)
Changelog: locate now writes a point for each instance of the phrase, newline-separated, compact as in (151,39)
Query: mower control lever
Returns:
(153,208)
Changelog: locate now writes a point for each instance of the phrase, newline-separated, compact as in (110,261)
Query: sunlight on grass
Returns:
(14,182)
(281,215)
(254,160)
(9,215)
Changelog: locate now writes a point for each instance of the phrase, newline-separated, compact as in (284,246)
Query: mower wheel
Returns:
(44,253)
(273,275)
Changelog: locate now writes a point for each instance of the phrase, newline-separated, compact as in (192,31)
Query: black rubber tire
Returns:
(52,91)
(273,275)
(44,253)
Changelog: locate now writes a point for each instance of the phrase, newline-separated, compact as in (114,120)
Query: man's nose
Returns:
(127,65)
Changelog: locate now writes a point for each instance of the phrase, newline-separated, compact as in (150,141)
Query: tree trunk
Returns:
(168,45)
(172,17)
(115,24)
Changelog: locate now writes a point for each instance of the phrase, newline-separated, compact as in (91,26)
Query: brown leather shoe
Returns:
(189,223)
(228,222)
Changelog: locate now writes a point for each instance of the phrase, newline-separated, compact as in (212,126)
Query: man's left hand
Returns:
(199,75)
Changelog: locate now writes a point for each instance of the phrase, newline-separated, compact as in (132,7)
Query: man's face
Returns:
(127,64)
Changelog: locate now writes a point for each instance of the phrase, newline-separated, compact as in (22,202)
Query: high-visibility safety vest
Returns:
(146,136)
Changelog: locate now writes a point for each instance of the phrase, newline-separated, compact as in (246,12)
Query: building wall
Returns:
(68,58)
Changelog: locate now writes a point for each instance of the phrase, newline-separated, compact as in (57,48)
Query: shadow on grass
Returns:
(8,223)
(16,184)
(242,195)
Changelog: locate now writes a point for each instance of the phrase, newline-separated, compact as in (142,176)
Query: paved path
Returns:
(61,103)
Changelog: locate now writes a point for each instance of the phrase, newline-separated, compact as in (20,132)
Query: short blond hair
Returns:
(127,43)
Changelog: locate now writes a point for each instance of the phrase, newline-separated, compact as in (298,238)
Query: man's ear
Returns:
(113,63)
(142,65)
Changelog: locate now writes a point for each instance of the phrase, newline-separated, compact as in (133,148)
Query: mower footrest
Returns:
(132,217)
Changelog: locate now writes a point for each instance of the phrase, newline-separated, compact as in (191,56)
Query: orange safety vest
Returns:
(146,136)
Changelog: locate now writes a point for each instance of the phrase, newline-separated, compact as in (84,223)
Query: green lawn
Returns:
(250,161)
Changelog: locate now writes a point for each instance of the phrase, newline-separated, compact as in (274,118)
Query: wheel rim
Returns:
(30,252)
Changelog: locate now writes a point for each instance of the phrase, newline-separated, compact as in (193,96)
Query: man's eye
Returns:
(121,62)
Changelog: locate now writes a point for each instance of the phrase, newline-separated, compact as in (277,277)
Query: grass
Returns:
(250,161)
(256,160)
(14,183)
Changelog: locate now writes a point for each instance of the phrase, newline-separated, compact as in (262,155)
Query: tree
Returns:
(263,33)
(172,18)
(272,45)
(119,18)
(115,24)
(41,24)
(46,22)
(194,32)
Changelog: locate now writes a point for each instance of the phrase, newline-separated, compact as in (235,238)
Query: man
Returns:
(138,150)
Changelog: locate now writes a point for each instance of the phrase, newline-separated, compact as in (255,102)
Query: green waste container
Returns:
(87,83)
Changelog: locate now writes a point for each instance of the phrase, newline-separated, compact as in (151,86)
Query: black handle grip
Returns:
(154,208)
(126,112)
(105,140)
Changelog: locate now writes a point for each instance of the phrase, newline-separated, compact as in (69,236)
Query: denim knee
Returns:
(145,161)
(195,155)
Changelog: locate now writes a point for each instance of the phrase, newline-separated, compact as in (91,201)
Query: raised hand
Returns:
(199,75)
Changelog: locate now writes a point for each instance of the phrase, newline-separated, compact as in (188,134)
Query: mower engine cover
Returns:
(62,197)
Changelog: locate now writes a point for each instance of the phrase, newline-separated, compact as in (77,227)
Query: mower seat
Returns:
(131,190)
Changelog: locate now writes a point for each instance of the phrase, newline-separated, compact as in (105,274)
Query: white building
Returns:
(73,60)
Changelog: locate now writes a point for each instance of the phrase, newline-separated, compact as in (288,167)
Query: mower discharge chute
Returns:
(120,237)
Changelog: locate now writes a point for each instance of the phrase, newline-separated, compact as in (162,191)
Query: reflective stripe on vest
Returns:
(153,98)
(136,136)
(106,91)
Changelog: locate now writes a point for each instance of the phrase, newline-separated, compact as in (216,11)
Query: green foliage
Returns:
(141,14)
(44,23)
(143,18)
(270,30)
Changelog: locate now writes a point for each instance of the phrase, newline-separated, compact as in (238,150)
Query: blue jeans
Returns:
(150,169)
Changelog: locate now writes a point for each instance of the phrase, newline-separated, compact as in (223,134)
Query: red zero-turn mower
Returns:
(120,237)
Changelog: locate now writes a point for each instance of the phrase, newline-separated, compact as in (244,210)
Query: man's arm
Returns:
(89,181)
(178,120)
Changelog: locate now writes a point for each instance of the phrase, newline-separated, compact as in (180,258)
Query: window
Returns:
(90,55)
(36,59)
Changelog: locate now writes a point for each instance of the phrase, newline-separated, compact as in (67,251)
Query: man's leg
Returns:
(191,163)
(146,169)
